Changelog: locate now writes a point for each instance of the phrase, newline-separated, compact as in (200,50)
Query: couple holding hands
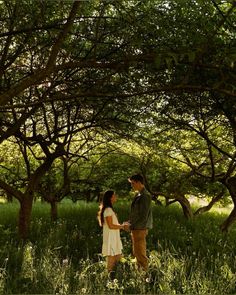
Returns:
(139,223)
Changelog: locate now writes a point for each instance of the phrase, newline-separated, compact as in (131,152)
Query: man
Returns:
(140,220)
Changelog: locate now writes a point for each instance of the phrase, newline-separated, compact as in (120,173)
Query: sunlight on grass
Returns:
(3,200)
(63,257)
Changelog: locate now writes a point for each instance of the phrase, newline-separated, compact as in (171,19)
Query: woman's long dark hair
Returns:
(106,203)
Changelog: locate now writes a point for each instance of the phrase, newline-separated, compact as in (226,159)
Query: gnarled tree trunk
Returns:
(9,197)
(54,211)
(231,185)
(186,206)
(210,205)
(25,215)
(229,221)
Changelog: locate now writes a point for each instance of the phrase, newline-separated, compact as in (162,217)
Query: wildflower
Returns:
(112,285)
(123,260)
(65,262)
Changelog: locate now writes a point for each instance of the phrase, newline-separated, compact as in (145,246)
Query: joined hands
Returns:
(126,226)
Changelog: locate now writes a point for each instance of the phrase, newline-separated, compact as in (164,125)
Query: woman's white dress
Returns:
(111,237)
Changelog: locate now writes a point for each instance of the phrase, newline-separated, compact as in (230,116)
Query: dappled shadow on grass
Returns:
(201,234)
(186,256)
(188,238)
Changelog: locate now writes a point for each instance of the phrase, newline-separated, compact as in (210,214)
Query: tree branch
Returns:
(42,73)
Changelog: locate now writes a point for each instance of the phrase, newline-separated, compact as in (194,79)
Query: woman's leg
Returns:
(112,261)
(111,264)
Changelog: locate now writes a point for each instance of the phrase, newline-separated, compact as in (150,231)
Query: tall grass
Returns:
(186,257)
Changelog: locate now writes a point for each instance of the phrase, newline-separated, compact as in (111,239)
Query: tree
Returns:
(211,155)
(117,62)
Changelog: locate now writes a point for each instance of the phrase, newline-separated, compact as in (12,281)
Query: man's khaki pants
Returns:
(138,237)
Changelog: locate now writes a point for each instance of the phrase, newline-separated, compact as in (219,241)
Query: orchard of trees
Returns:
(92,91)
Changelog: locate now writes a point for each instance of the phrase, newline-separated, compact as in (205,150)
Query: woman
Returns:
(112,246)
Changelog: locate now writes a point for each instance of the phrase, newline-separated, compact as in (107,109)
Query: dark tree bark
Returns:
(9,198)
(229,221)
(25,216)
(231,185)
(53,197)
(186,206)
(54,211)
(27,200)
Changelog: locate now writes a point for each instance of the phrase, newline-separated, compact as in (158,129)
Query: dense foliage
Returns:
(92,91)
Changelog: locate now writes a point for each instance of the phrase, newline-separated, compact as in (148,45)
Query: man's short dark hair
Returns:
(136,177)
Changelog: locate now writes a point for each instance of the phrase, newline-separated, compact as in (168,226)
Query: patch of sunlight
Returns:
(222,210)
(217,208)
(2,200)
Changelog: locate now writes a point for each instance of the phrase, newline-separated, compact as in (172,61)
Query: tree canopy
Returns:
(77,75)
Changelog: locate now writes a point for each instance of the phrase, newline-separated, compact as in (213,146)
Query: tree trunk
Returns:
(169,202)
(229,221)
(210,205)
(88,196)
(185,206)
(9,197)
(231,186)
(54,210)
(26,201)
(25,216)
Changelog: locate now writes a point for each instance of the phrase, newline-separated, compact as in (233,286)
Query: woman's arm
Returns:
(111,225)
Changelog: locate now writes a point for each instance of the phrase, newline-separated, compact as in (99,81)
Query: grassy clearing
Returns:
(186,257)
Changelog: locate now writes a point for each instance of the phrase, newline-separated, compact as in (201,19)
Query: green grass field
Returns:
(186,257)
